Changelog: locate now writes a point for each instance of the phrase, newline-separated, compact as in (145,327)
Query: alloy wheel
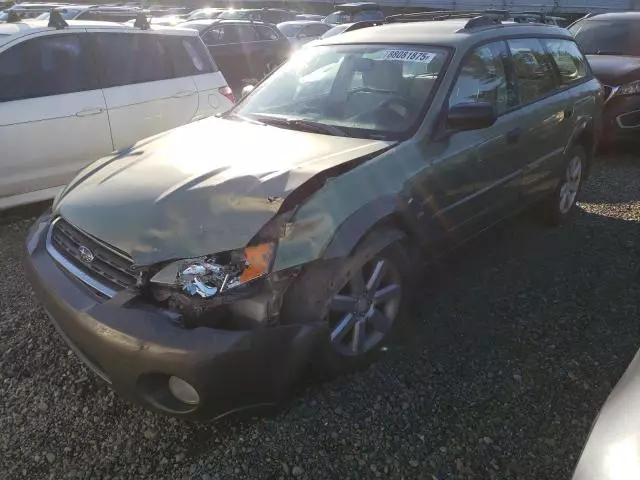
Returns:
(571,184)
(363,311)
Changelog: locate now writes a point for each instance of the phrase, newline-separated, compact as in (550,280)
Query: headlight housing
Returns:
(632,88)
(209,276)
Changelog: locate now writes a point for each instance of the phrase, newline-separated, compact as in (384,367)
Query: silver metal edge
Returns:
(624,115)
(614,90)
(75,271)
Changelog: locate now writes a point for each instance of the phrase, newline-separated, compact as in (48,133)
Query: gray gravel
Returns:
(517,342)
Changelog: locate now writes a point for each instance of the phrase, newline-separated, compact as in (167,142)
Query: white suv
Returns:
(76,93)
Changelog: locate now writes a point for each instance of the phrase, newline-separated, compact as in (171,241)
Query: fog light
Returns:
(183,391)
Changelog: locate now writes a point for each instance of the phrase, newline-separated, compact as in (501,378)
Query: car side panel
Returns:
(46,140)
(141,110)
(210,100)
(547,124)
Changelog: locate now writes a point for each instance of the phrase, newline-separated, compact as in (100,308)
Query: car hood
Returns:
(203,188)
(612,450)
(615,70)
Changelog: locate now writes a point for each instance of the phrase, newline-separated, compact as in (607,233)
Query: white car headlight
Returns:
(632,88)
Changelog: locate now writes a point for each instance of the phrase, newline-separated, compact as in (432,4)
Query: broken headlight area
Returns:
(201,288)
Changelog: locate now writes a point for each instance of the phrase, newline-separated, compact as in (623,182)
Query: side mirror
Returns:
(471,116)
(247,89)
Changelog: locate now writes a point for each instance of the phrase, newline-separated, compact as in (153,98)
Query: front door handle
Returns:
(89,111)
(514,136)
(185,93)
(568,113)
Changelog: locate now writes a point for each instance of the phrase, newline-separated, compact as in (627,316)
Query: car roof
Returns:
(615,16)
(11,31)
(19,6)
(302,22)
(446,33)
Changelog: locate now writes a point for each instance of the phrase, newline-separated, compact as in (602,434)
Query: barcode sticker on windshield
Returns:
(409,56)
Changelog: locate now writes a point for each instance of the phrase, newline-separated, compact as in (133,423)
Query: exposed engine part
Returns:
(206,277)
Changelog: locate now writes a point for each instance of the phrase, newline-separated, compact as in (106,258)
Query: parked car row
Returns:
(70,94)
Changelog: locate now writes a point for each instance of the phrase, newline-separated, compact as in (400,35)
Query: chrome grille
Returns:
(108,268)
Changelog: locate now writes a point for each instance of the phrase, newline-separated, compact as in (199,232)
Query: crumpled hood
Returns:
(202,188)
(615,70)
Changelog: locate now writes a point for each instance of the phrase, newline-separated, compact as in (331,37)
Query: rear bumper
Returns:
(622,119)
(135,347)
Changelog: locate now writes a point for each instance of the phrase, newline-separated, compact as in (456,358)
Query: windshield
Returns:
(204,14)
(335,30)
(367,91)
(290,29)
(236,15)
(337,18)
(608,37)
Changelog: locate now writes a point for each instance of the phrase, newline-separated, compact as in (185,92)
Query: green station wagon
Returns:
(201,270)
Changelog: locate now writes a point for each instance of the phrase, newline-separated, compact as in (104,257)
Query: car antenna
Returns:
(56,21)
(13,17)
(142,22)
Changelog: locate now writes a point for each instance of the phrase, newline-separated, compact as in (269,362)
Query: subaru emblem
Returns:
(86,255)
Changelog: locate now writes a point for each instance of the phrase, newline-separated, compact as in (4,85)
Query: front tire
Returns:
(361,299)
(561,205)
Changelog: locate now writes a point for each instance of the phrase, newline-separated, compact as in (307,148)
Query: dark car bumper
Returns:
(136,347)
(622,119)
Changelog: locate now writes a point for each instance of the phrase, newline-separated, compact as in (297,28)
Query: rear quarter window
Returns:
(266,33)
(188,56)
(568,59)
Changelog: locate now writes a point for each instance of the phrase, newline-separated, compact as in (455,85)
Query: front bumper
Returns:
(622,119)
(135,347)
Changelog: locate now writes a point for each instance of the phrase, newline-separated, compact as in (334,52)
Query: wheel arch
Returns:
(386,213)
(585,135)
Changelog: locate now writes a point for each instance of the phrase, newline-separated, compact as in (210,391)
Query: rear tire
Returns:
(362,299)
(561,204)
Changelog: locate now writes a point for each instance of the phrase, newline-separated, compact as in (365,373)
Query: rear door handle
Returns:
(89,111)
(568,113)
(185,93)
(514,136)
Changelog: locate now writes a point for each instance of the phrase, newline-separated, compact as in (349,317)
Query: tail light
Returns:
(227,92)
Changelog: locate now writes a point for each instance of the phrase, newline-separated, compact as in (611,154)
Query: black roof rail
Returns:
(435,15)
(364,24)
(56,21)
(142,22)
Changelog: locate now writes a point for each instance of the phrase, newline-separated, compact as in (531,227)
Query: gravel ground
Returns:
(519,339)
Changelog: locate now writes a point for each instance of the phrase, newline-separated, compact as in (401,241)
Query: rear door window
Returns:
(126,58)
(188,56)
(266,33)
(533,67)
(239,34)
(44,66)
(215,36)
(567,57)
(484,78)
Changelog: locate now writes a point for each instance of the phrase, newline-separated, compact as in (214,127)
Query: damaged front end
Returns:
(233,290)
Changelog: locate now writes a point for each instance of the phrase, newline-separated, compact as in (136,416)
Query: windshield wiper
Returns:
(605,52)
(240,117)
(294,123)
